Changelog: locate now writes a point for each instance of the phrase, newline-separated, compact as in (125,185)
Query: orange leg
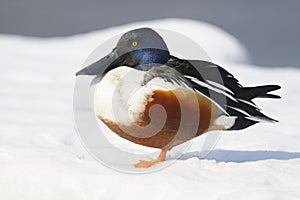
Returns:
(147,164)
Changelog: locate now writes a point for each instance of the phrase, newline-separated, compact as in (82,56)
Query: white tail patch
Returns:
(225,121)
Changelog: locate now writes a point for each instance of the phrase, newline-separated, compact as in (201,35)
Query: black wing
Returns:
(225,90)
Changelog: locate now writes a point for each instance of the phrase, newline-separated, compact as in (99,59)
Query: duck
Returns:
(152,98)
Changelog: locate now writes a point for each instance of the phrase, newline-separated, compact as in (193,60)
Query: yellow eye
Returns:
(134,44)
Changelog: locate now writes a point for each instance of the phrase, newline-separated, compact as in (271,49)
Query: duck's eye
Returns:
(134,44)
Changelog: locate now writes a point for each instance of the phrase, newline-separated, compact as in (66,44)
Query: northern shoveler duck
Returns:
(140,73)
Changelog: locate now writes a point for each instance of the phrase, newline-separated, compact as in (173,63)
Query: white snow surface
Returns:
(41,156)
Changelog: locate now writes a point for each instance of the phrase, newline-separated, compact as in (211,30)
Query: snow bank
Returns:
(41,156)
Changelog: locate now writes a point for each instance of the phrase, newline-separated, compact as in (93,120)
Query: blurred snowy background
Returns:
(270,29)
(41,156)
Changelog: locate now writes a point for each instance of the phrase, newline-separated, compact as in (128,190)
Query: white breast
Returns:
(119,96)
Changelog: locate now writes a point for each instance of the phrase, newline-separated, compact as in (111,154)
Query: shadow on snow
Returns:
(241,156)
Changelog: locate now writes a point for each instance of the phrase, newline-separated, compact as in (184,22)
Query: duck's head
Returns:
(139,48)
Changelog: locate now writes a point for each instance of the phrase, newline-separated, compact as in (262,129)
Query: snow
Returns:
(41,156)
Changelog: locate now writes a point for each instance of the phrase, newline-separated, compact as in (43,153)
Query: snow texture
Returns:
(41,156)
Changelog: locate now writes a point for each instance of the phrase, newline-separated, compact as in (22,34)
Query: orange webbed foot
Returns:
(147,164)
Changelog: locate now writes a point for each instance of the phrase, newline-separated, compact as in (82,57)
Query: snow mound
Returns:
(41,156)
(219,45)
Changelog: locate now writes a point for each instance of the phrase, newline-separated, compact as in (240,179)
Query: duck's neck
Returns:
(145,59)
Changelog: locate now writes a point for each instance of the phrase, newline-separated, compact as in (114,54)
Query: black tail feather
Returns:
(250,93)
(272,96)
(255,115)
